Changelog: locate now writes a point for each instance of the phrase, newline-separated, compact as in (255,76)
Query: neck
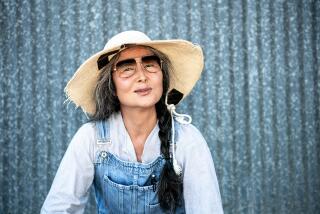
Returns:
(139,122)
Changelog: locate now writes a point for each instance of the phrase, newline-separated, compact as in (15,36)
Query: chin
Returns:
(141,103)
(146,105)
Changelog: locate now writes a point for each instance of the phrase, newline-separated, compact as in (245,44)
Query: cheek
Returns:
(120,86)
(158,85)
(115,84)
(160,82)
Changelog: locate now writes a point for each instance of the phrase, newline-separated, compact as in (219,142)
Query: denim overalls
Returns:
(125,187)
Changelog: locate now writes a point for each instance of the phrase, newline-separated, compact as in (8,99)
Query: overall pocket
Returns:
(122,198)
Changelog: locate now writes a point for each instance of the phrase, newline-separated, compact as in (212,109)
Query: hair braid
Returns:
(170,184)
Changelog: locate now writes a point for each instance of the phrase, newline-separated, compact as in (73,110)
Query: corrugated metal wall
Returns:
(257,102)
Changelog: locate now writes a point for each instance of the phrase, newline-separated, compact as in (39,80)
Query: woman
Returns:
(138,153)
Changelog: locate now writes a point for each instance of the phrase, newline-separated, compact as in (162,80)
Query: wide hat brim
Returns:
(186,58)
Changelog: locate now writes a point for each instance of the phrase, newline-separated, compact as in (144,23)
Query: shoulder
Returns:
(189,135)
(191,144)
(83,141)
(86,129)
(190,141)
(84,136)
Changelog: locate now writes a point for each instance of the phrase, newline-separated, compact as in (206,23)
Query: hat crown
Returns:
(126,37)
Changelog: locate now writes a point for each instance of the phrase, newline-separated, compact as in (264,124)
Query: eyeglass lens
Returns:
(127,67)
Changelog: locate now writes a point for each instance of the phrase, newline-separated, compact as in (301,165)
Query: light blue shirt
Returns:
(70,189)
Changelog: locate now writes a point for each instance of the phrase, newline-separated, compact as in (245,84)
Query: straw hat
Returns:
(186,59)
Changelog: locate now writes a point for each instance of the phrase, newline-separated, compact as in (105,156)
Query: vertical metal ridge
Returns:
(5,138)
(74,43)
(275,135)
(216,89)
(208,73)
(12,108)
(2,103)
(79,50)
(18,78)
(54,64)
(66,55)
(202,86)
(231,86)
(301,53)
(237,33)
(315,43)
(23,78)
(34,68)
(43,137)
(288,130)
(247,165)
(281,105)
(262,205)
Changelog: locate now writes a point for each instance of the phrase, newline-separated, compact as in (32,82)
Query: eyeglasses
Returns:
(128,67)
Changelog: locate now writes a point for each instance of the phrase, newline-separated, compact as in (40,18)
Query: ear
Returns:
(174,97)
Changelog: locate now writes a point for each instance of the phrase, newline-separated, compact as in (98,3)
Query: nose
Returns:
(141,72)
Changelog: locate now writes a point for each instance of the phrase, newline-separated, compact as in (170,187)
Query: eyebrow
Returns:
(133,61)
(126,61)
(151,57)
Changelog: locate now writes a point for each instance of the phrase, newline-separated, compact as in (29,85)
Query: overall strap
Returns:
(103,140)
(103,132)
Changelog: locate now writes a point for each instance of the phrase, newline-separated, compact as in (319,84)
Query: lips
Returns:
(143,91)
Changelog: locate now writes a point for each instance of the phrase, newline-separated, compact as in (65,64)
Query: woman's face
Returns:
(141,88)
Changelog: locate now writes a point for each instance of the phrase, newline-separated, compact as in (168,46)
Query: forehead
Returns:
(134,52)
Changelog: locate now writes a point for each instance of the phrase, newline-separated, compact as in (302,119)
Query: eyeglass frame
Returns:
(159,62)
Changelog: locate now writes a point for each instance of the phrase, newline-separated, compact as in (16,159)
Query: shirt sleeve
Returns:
(200,185)
(70,188)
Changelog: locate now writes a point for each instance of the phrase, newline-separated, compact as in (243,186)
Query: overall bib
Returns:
(125,187)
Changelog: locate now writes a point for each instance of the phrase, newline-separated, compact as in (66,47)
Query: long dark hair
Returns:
(170,184)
